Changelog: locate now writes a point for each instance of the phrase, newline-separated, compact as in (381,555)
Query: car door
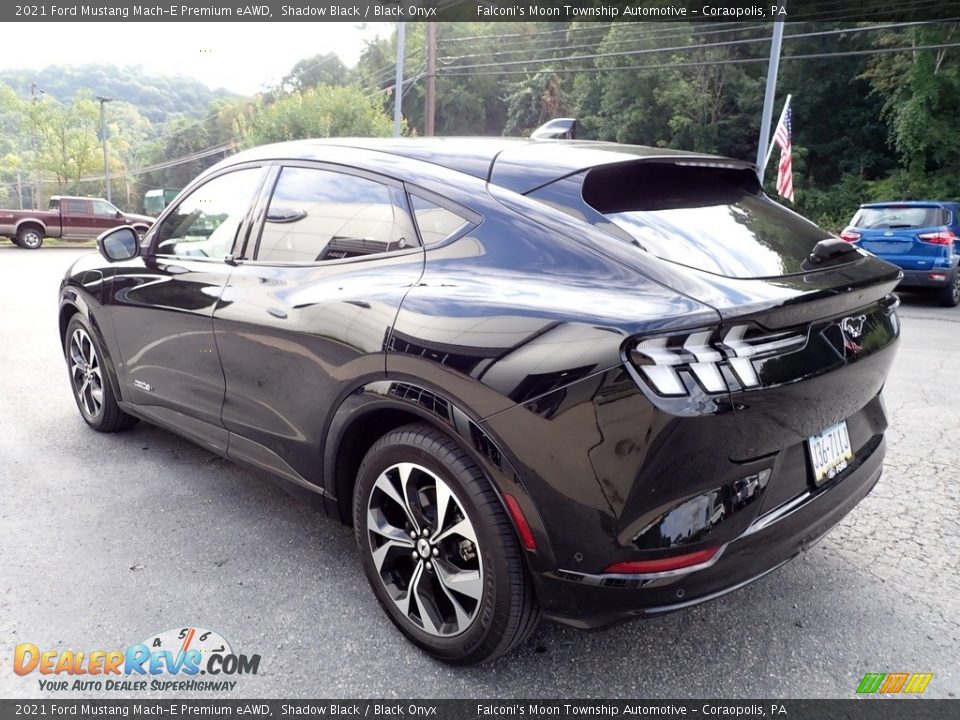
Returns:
(306,314)
(77,218)
(163,303)
(105,216)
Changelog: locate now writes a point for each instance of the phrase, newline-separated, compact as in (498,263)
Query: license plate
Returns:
(830,452)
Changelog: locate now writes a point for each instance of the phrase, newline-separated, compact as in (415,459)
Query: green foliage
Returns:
(321,69)
(321,112)
(532,102)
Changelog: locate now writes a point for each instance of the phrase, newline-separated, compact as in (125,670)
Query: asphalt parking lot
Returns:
(107,539)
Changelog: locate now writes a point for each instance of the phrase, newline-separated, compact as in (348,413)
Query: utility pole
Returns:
(398,88)
(431,105)
(768,96)
(103,136)
(34,89)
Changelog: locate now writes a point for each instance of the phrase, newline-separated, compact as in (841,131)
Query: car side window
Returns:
(435,223)
(76,207)
(205,222)
(104,209)
(316,215)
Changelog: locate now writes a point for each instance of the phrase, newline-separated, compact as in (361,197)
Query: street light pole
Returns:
(398,88)
(431,100)
(103,137)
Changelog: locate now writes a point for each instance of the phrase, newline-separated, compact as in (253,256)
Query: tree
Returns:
(321,69)
(533,102)
(67,143)
(322,112)
(920,91)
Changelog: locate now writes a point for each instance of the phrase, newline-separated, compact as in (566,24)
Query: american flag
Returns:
(781,137)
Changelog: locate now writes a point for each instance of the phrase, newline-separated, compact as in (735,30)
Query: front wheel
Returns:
(30,238)
(438,549)
(949,295)
(89,381)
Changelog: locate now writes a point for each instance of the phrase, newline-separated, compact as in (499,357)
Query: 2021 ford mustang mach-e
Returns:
(577,380)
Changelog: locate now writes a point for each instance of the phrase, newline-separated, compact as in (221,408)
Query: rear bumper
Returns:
(776,536)
(921,278)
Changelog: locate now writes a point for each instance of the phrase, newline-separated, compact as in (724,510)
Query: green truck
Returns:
(154,201)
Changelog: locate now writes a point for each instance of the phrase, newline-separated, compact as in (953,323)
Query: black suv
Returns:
(577,380)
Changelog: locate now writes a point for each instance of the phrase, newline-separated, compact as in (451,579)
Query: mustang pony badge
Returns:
(852,330)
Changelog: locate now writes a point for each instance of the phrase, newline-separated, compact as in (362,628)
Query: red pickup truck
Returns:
(70,218)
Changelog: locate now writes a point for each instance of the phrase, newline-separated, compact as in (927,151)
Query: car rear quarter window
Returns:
(893,217)
(436,223)
(317,215)
(710,218)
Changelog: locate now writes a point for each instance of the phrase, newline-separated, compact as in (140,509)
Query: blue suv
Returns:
(921,237)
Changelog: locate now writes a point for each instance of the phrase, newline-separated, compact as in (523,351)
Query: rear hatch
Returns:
(801,342)
(910,236)
(806,330)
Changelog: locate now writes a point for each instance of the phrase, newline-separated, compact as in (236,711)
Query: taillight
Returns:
(941,237)
(849,236)
(704,353)
(677,562)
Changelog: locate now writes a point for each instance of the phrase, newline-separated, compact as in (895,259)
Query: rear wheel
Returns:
(949,295)
(14,241)
(91,386)
(438,550)
(30,238)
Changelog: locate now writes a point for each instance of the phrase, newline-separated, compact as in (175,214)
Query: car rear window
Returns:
(892,217)
(711,218)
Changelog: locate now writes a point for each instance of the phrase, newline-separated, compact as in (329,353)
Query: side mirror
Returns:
(119,215)
(119,243)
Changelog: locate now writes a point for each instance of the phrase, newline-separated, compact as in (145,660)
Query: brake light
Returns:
(942,237)
(677,562)
(849,236)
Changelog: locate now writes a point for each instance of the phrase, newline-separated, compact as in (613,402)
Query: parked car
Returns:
(576,380)
(921,237)
(70,218)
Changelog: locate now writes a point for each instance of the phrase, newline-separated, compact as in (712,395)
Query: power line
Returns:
(617,41)
(738,61)
(701,46)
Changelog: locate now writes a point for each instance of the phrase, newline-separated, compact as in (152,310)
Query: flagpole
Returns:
(773,140)
(770,91)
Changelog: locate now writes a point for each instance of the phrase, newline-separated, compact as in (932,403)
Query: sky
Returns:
(240,57)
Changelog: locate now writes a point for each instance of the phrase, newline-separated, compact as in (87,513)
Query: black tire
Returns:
(506,612)
(949,295)
(90,379)
(15,241)
(30,238)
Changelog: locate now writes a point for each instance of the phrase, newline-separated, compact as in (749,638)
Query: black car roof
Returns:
(518,164)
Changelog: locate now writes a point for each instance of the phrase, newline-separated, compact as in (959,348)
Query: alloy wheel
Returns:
(425,550)
(956,288)
(86,374)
